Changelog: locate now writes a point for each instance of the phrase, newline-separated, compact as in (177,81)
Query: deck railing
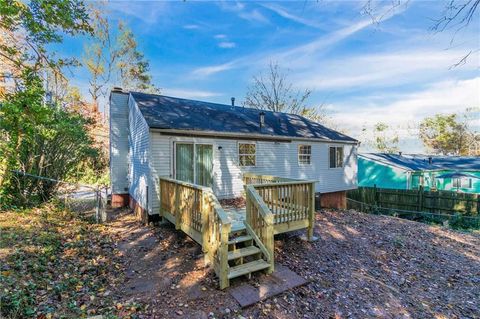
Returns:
(251,178)
(195,210)
(259,224)
(290,201)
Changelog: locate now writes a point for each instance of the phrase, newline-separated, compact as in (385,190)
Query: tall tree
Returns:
(385,139)
(134,68)
(27,27)
(272,91)
(113,57)
(447,134)
(35,136)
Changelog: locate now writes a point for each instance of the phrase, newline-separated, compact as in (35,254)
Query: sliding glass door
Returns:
(184,162)
(204,165)
(194,163)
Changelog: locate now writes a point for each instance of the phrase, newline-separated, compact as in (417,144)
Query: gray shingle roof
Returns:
(420,162)
(164,112)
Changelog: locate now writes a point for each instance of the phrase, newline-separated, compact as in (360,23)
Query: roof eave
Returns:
(249,135)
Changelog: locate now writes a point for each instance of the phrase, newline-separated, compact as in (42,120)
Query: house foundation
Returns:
(337,200)
(120,200)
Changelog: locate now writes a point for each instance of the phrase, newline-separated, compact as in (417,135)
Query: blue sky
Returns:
(397,71)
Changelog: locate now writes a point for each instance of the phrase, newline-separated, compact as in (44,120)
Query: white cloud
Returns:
(209,70)
(148,13)
(253,16)
(243,12)
(226,45)
(294,56)
(406,111)
(189,94)
(285,14)
(379,69)
(220,36)
(191,26)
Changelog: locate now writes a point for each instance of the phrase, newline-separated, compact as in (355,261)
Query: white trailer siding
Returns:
(119,142)
(272,158)
(139,158)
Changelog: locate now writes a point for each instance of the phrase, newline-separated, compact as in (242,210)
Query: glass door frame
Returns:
(174,158)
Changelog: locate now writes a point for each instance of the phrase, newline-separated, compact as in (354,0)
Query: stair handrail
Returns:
(260,221)
(216,227)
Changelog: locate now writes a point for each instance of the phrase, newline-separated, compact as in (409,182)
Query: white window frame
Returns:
(308,155)
(243,154)
(343,156)
(468,180)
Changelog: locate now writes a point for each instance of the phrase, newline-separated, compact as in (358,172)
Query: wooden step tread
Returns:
(240,239)
(243,252)
(247,268)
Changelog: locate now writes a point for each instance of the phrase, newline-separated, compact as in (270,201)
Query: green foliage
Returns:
(29,26)
(38,139)
(113,56)
(385,139)
(444,134)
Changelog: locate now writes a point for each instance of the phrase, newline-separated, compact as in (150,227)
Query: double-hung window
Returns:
(336,156)
(466,183)
(304,154)
(462,182)
(247,154)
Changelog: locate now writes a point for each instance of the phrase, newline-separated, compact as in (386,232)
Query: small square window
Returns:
(304,154)
(246,154)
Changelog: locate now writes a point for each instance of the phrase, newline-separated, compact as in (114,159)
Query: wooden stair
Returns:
(244,257)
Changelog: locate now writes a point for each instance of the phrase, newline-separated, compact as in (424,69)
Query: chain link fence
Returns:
(90,201)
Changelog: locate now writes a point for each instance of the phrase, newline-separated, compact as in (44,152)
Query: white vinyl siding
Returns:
(139,163)
(119,142)
(272,158)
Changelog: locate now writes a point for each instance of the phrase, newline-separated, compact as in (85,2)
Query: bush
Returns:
(38,139)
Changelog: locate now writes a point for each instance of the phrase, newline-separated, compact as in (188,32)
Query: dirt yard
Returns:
(362,266)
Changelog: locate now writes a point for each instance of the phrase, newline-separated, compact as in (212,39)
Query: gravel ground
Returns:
(362,266)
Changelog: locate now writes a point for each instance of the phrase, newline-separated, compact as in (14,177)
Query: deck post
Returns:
(223,256)
(311,213)
(159,197)
(204,212)
(178,214)
(270,242)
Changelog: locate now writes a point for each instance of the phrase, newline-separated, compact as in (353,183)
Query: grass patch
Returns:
(57,265)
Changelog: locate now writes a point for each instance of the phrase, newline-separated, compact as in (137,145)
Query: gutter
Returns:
(246,136)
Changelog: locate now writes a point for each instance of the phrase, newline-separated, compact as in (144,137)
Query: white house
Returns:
(213,144)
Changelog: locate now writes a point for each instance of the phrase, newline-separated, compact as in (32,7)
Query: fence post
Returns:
(478,206)
(97,206)
(311,213)
(375,195)
(420,198)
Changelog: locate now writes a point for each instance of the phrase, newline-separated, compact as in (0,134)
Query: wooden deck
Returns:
(237,241)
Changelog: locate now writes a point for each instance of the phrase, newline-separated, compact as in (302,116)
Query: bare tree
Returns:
(272,91)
